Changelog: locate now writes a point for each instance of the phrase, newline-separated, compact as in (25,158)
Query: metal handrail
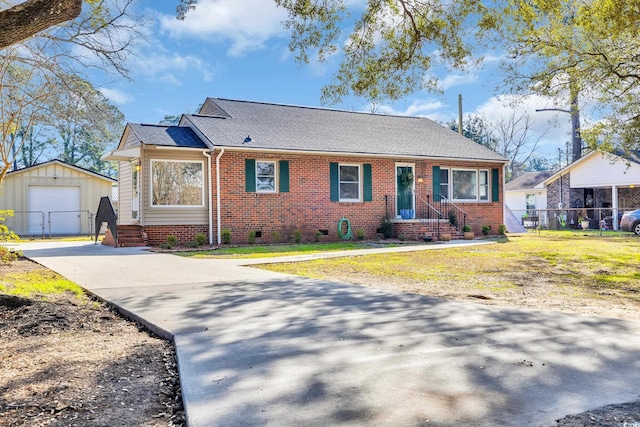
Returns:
(447,205)
(430,208)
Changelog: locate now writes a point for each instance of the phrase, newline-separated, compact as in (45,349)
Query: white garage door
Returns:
(64,205)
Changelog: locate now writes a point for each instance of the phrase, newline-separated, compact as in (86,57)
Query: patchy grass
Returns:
(38,283)
(546,271)
(267,251)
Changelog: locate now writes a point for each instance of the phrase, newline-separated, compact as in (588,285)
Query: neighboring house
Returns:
(273,169)
(524,197)
(53,198)
(597,180)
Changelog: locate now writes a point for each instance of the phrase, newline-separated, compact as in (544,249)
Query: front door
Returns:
(405,185)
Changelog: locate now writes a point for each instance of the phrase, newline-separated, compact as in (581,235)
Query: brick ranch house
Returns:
(273,169)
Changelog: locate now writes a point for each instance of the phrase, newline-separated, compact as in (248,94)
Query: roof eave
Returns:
(352,154)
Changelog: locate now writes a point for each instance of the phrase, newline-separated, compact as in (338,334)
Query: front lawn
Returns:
(585,274)
(268,251)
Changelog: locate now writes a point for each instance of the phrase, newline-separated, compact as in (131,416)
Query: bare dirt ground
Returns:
(68,362)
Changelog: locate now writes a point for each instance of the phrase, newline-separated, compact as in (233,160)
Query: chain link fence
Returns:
(39,224)
(601,219)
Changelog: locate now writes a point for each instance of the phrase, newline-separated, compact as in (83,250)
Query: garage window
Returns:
(177,183)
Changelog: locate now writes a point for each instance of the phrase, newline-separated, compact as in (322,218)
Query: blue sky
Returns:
(238,49)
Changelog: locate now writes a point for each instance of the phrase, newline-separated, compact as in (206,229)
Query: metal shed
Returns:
(53,198)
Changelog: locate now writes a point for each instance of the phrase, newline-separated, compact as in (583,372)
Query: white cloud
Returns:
(248,24)
(116,96)
(452,80)
(157,64)
(418,108)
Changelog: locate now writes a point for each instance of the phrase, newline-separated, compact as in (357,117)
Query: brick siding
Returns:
(157,234)
(307,206)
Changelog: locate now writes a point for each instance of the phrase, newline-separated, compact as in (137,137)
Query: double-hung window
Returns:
(483,186)
(349,182)
(265,176)
(444,182)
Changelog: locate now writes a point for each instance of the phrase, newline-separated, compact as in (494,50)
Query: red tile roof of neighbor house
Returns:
(263,126)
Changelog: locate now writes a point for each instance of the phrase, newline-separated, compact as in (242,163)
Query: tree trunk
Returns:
(32,16)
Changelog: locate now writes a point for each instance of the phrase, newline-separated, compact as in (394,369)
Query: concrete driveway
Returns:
(262,348)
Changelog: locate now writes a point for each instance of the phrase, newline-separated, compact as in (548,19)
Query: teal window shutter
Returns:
(367,189)
(250,175)
(436,183)
(283,166)
(495,185)
(333,180)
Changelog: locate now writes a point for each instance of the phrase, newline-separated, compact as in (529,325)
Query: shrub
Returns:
(386,227)
(486,229)
(453,217)
(165,246)
(5,233)
(297,236)
(200,239)
(360,233)
(502,229)
(172,241)
(402,237)
(7,256)
(252,236)
(466,228)
(191,244)
(226,236)
(275,236)
(318,235)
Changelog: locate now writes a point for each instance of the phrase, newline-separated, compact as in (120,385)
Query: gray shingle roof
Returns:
(284,127)
(527,181)
(169,136)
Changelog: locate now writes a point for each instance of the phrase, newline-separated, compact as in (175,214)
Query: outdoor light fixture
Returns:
(137,167)
(420,179)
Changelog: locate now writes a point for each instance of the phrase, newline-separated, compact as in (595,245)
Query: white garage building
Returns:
(53,198)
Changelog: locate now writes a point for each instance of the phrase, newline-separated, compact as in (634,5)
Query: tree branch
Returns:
(32,16)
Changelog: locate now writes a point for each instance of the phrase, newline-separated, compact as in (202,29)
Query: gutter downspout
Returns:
(218,216)
(209,198)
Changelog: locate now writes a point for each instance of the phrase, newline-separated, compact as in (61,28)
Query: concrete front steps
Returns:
(131,236)
(416,229)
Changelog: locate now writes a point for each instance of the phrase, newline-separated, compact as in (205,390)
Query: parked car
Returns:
(631,222)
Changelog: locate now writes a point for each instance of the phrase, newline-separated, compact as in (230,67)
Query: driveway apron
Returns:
(263,348)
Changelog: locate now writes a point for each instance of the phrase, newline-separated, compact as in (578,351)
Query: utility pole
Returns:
(576,139)
(460,114)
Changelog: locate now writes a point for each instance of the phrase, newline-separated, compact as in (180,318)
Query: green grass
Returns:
(39,283)
(267,251)
(559,263)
